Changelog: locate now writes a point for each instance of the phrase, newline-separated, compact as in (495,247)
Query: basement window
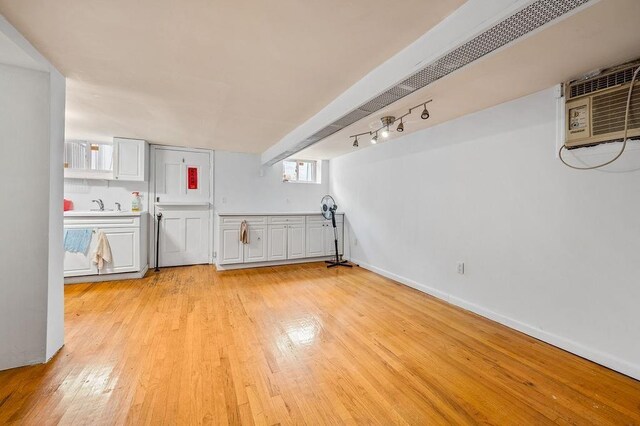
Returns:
(302,171)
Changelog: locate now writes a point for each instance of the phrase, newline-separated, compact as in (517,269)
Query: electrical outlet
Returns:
(460,268)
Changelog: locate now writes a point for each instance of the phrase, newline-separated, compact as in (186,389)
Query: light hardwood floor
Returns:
(299,344)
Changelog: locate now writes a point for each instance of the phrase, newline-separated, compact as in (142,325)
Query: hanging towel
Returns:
(77,240)
(102,253)
(244,232)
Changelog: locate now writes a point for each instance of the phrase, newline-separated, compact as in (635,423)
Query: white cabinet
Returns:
(78,264)
(130,159)
(125,255)
(330,239)
(126,235)
(315,239)
(321,238)
(278,238)
(231,249)
(277,242)
(295,241)
(256,249)
(124,159)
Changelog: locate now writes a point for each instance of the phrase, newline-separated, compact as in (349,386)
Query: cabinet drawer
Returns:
(237,220)
(286,220)
(111,222)
(320,219)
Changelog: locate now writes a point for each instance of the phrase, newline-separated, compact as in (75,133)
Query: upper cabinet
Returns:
(124,159)
(130,158)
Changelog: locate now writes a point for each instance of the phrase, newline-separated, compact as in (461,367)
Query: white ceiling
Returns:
(602,35)
(232,75)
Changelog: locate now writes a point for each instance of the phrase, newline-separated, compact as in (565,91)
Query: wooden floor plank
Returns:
(299,344)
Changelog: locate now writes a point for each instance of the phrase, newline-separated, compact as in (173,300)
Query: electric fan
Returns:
(328,210)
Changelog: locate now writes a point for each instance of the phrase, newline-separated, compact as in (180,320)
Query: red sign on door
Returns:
(192,177)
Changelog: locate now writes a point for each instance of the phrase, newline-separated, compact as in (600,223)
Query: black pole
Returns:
(337,262)
(159,216)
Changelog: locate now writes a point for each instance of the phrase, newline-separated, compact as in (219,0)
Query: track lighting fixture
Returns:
(425,113)
(388,121)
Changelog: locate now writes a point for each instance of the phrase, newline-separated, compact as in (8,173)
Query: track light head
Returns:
(425,113)
(400,127)
(385,132)
(374,139)
(355,142)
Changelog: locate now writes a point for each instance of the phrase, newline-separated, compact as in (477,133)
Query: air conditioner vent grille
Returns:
(608,112)
(602,82)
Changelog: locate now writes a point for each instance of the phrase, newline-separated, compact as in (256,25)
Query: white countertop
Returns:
(109,213)
(275,214)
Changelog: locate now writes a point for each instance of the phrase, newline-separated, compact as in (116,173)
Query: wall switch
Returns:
(460,268)
(224,200)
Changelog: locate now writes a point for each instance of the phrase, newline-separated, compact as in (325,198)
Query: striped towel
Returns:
(77,240)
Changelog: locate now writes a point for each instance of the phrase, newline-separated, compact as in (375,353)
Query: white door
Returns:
(184,235)
(256,249)
(277,242)
(182,193)
(125,253)
(315,239)
(231,247)
(295,241)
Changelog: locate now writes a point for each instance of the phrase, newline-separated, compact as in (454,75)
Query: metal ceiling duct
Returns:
(508,30)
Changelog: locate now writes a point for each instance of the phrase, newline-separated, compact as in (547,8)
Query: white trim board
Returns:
(602,358)
(107,277)
(251,265)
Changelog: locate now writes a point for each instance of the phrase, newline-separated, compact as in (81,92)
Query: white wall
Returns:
(31,252)
(55,297)
(82,191)
(242,185)
(24,156)
(548,250)
(239,186)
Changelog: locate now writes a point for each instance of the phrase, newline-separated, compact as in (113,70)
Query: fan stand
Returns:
(337,262)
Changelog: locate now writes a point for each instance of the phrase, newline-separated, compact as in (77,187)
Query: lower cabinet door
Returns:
(295,241)
(231,249)
(314,244)
(125,250)
(277,242)
(79,264)
(256,249)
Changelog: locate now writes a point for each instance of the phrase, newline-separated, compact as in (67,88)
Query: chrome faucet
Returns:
(118,207)
(100,204)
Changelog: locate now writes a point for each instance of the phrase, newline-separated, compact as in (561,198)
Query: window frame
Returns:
(315,171)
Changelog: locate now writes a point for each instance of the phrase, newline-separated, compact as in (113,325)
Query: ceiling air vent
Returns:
(510,29)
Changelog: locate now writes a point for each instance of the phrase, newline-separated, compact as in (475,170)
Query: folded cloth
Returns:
(102,253)
(77,240)
(244,232)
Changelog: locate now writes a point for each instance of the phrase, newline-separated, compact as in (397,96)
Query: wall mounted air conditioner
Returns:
(595,107)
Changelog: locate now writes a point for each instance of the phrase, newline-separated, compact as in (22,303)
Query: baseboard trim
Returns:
(599,357)
(235,266)
(107,277)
